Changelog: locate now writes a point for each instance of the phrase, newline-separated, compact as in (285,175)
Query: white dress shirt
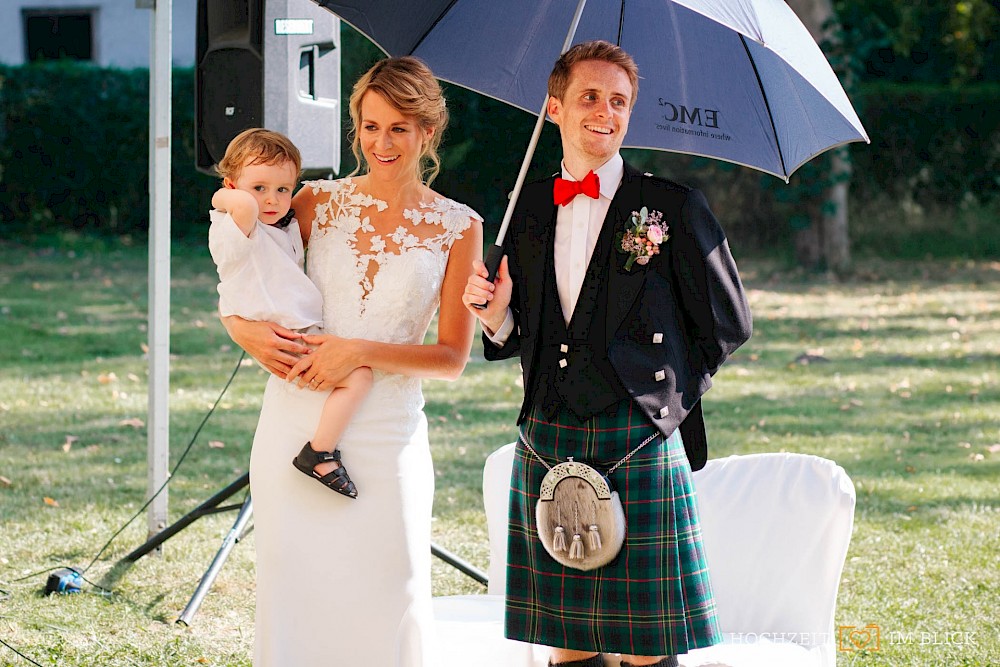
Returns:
(578,224)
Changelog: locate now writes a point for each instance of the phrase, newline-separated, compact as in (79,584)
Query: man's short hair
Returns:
(595,50)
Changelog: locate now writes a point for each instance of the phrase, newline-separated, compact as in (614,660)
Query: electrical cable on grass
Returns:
(4,594)
(20,654)
(177,465)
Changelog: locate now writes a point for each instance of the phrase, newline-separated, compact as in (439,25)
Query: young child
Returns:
(258,249)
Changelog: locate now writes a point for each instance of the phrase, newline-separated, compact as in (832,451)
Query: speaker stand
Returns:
(211,506)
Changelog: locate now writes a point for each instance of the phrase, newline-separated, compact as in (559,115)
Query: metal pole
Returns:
(158,422)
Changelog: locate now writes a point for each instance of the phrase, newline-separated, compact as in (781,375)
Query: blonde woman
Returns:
(349,583)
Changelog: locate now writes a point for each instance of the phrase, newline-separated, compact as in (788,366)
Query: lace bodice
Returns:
(377,286)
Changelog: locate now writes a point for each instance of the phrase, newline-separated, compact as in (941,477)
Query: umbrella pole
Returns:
(495,253)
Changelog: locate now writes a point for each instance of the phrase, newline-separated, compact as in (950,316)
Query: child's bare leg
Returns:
(340,406)
(320,458)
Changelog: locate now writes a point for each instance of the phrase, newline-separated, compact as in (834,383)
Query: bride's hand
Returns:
(274,346)
(327,366)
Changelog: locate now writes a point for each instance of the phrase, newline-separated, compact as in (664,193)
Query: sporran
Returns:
(579,516)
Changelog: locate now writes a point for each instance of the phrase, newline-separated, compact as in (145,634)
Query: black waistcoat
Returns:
(574,370)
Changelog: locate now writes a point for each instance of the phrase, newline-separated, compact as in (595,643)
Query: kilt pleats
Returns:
(655,597)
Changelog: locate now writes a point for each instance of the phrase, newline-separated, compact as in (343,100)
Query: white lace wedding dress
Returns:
(344,582)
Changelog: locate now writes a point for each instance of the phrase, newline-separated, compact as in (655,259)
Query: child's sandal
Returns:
(338,479)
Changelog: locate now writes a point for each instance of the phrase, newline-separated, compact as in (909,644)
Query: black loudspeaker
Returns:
(273,64)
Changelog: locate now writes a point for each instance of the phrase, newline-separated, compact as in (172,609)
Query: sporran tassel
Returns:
(559,539)
(576,550)
(595,538)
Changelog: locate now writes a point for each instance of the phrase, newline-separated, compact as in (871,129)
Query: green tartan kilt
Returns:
(655,597)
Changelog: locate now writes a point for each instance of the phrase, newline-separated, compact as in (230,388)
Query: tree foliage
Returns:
(923,41)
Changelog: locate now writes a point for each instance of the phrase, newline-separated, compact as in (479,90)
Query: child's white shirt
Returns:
(261,276)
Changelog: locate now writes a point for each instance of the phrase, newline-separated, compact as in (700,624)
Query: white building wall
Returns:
(121,32)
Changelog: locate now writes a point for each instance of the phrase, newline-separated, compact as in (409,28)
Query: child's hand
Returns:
(239,204)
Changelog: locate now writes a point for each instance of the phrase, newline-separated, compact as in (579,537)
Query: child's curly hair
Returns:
(259,146)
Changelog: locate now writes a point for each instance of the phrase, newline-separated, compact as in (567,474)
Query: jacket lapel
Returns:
(540,241)
(623,286)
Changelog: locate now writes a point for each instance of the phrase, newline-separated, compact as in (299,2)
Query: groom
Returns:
(619,323)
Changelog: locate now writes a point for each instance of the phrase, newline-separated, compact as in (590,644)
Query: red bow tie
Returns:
(564,191)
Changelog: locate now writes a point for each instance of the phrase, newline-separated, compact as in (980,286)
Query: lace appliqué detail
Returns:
(342,216)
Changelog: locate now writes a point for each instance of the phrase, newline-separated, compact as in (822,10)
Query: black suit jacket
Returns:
(671,323)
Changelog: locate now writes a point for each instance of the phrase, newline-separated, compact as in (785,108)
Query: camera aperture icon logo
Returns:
(851,638)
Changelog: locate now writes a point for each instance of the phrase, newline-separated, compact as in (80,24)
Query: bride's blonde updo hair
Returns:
(408,85)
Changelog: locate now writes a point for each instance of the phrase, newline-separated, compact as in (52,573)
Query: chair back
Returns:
(776,528)
(496,500)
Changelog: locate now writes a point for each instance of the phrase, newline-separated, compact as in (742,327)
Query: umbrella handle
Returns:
(492,261)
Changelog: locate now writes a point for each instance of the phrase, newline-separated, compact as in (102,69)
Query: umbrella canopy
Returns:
(736,80)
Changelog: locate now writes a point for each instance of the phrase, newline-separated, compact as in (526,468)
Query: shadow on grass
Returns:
(111,578)
(886,505)
(799,329)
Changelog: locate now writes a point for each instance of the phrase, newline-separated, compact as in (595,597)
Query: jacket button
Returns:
(664,411)
(563,363)
(657,338)
(659,375)
(564,348)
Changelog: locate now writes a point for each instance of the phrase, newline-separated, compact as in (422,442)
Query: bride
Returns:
(342,581)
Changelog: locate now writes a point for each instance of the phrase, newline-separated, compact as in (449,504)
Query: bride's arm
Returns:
(274,346)
(442,360)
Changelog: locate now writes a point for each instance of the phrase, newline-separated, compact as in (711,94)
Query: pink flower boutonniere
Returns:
(643,239)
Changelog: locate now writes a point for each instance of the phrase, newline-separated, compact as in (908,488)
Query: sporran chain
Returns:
(610,470)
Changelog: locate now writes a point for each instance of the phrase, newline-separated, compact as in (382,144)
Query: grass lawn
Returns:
(894,374)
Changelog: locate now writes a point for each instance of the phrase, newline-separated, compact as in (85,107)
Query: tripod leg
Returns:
(210,506)
(236,533)
(462,566)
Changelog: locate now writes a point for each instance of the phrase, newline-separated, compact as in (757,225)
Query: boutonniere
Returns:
(643,239)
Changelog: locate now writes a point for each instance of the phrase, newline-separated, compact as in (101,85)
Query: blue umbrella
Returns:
(736,80)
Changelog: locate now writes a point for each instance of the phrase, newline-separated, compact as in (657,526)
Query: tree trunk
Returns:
(836,240)
(826,242)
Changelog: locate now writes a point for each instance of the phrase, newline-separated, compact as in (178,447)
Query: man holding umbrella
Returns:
(620,296)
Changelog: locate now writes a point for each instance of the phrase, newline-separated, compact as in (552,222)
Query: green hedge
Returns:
(74,150)
(73,154)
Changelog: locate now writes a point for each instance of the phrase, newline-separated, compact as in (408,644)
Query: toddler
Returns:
(258,249)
